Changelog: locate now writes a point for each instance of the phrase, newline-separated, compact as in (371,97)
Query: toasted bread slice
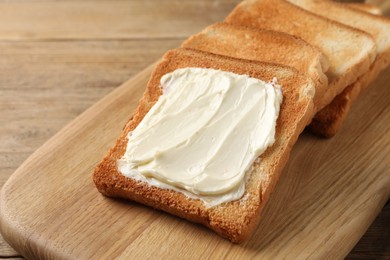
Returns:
(347,61)
(233,220)
(328,121)
(263,45)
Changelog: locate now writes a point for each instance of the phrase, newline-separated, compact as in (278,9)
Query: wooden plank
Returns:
(12,78)
(108,19)
(375,244)
(137,53)
(328,195)
(44,85)
(31,73)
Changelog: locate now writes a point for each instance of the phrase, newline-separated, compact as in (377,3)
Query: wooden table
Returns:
(57,58)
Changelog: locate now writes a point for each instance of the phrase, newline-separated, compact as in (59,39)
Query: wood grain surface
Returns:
(328,195)
(52,70)
(115,20)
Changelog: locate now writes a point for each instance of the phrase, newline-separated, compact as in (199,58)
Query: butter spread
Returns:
(203,134)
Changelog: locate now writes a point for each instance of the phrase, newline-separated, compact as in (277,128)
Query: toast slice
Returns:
(263,45)
(347,62)
(233,220)
(329,120)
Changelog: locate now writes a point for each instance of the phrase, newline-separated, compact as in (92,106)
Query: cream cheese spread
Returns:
(203,134)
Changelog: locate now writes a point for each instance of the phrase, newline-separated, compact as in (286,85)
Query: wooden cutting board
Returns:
(328,195)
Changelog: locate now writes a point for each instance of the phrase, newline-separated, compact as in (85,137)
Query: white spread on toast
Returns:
(203,134)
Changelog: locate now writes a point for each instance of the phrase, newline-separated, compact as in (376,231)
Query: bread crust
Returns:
(347,62)
(233,220)
(263,45)
(328,121)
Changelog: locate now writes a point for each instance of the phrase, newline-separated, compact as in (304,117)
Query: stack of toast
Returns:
(321,52)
